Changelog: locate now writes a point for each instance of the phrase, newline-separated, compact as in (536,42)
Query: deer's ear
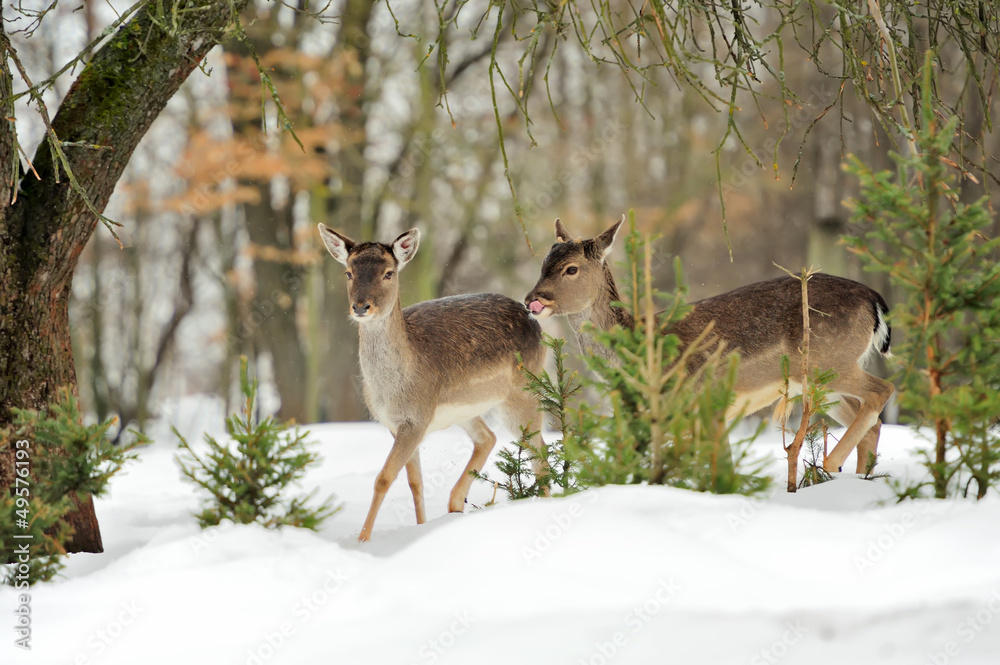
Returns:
(338,245)
(562,235)
(606,240)
(405,246)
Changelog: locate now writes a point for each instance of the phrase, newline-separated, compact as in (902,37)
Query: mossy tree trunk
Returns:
(113,103)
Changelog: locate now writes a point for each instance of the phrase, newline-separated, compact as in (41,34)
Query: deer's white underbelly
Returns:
(752,401)
(447,415)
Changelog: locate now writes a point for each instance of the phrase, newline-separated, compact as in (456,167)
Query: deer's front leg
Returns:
(408,437)
(416,485)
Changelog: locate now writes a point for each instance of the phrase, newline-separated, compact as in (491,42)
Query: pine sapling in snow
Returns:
(516,465)
(248,478)
(56,456)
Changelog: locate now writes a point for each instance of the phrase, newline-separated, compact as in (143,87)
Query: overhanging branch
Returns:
(112,103)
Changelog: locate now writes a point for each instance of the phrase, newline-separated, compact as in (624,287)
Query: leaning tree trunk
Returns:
(112,104)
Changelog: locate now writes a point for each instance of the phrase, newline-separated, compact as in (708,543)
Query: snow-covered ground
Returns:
(836,574)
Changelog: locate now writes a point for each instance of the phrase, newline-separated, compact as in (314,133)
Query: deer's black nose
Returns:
(361,308)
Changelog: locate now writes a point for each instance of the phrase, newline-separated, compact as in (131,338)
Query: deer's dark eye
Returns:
(349,275)
(388,275)
(572,270)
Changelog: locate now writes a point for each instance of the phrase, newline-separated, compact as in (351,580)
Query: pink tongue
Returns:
(536,306)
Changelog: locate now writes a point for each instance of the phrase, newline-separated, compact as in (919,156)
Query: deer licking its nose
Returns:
(761,322)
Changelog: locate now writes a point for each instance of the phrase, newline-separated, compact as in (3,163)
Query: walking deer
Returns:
(434,364)
(761,322)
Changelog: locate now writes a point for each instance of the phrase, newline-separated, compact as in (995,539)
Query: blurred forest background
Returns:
(221,256)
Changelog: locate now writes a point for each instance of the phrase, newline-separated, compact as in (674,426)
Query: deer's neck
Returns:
(385,354)
(603,316)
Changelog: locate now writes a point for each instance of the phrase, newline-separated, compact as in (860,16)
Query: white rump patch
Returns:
(878,339)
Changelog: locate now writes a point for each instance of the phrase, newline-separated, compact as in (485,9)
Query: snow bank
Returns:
(615,575)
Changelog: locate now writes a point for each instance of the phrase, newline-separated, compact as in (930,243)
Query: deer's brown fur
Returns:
(761,322)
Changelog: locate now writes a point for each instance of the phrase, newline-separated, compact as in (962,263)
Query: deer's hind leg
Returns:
(483,440)
(520,411)
(845,412)
(870,394)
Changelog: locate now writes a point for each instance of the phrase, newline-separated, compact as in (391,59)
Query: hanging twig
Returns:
(267,84)
(55,145)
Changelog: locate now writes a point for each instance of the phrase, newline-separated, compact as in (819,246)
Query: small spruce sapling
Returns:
(56,456)
(555,398)
(813,472)
(247,480)
(516,466)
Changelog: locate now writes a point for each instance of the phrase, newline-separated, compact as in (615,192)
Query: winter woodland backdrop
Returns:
(164,166)
(218,205)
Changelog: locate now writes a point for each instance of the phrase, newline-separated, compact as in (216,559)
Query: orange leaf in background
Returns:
(207,199)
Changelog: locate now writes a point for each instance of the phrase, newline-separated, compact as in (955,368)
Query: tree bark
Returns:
(279,280)
(114,101)
(345,211)
(279,284)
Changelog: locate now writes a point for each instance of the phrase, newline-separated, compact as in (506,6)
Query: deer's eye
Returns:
(572,270)
(349,275)
(388,275)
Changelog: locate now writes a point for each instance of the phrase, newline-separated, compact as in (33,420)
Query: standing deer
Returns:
(434,364)
(761,322)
